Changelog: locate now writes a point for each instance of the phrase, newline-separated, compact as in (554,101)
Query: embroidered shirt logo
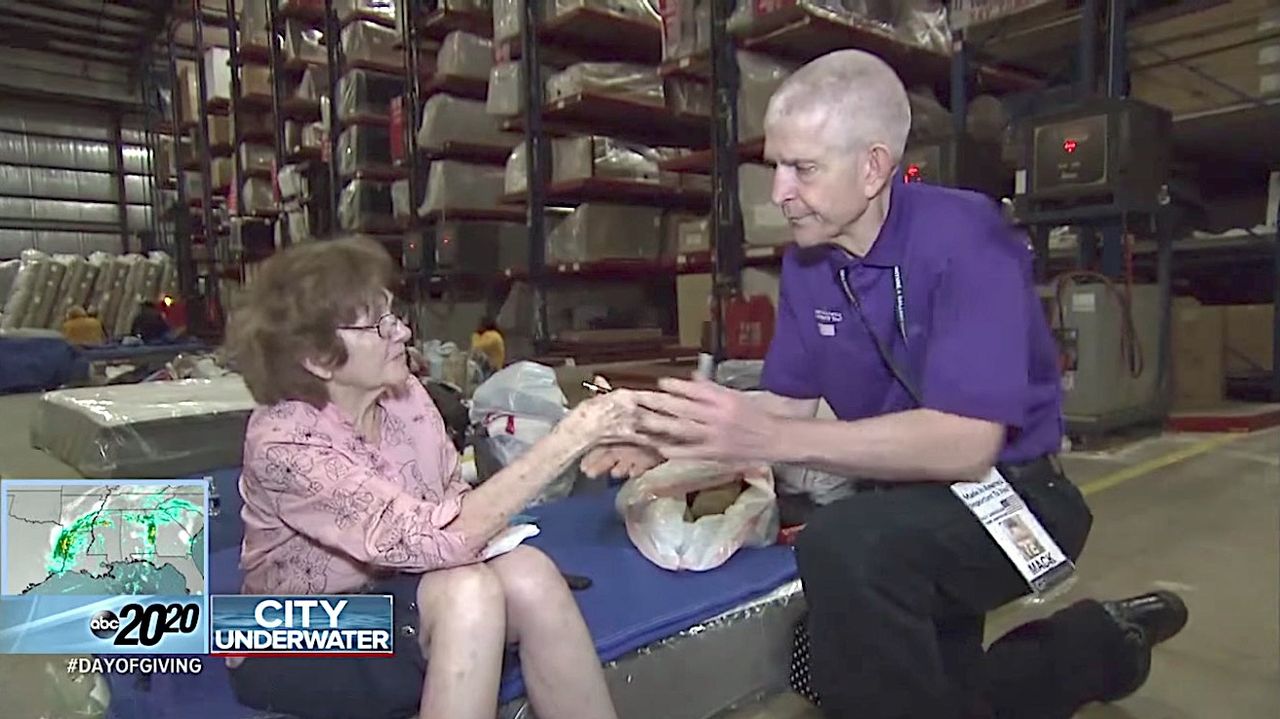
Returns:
(827,321)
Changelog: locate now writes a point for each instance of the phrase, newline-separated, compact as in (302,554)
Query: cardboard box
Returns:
(693,307)
(575,158)
(600,231)
(1198,352)
(1187,33)
(762,222)
(217,75)
(1181,63)
(220,172)
(686,234)
(219,131)
(255,81)
(1249,339)
(257,125)
(1182,90)
(189,94)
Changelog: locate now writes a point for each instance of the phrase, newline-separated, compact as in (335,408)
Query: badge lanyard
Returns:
(992,500)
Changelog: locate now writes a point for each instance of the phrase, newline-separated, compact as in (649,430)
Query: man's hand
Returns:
(702,420)
(620,461)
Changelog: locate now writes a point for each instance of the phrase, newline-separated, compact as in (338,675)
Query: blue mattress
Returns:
(631,603)
(113,352)
(38,364)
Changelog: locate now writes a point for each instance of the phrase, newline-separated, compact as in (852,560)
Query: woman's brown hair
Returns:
(291,312)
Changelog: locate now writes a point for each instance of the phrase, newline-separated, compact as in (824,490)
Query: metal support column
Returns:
(275,63)
(1166,221)
(182,211)
(1275,322)
(213,247)
(117,170)
(408,10)
(1117,49)
(1087,51)
(1087,247)
(1112,264)
(332,42)
(149,105)
(1040,251)
(959,85)
(537,169)
(237,179)
(726,226)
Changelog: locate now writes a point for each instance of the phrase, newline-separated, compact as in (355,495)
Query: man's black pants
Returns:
(898,582)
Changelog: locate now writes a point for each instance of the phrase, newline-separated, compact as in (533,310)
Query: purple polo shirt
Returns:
(977,343)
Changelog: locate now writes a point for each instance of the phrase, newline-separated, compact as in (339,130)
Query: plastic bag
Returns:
(654,507)
(511,411)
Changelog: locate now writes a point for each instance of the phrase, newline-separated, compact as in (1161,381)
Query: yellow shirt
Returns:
(84,331)
(491,345)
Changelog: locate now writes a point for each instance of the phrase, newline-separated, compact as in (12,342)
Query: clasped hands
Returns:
(634,431)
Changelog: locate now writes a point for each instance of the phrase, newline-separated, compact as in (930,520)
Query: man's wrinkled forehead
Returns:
(812,135)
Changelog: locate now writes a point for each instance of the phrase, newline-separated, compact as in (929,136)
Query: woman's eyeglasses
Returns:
(386,326)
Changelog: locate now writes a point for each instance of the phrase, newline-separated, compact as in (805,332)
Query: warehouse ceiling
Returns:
(113,32)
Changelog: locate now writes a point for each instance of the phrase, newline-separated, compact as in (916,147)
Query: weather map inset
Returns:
(99,540)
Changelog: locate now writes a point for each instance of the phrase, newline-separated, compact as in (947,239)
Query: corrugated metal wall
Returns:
(59,184)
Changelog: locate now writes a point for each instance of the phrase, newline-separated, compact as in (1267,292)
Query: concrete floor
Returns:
(1193,513)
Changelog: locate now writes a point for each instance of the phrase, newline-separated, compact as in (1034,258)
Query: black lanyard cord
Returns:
(885,355)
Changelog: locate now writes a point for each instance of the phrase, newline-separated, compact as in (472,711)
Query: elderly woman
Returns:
(351,485)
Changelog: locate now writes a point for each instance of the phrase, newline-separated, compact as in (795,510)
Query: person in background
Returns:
(351,485)
(150,325)
(487,343)
(82,329)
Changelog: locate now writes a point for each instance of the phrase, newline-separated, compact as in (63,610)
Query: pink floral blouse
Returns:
(326,511)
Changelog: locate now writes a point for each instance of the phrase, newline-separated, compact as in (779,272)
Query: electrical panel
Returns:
(964,163)
(1106,152)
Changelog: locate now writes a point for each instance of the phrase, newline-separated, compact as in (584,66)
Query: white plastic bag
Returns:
(653,507)
(514,409)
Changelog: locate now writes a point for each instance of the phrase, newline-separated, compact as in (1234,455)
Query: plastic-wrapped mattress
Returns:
(147,430)
(104,299)
(8,273)
(74,292)
(27,283)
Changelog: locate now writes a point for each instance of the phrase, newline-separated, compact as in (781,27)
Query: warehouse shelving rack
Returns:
(591,33)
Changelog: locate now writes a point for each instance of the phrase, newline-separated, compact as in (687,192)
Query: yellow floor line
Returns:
(1124,475)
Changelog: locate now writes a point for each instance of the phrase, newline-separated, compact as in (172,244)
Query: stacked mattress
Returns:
(44,287)
(148,430)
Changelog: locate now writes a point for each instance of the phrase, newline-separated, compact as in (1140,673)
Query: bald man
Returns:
(910,309)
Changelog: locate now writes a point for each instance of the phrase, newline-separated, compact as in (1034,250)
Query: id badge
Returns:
(1014,527)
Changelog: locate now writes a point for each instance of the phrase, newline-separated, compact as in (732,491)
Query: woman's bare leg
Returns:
(463,633)
(558,659)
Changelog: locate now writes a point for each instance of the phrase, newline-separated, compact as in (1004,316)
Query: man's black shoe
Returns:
(1146,621)
(1161,614)
(1133,669)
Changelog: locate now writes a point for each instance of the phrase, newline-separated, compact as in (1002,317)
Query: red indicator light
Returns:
(912,174)
(1069,146)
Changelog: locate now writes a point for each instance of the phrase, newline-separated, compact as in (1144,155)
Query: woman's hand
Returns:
(620,461)
(607,419)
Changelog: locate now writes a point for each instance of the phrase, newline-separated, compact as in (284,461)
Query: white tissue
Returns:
(509,539)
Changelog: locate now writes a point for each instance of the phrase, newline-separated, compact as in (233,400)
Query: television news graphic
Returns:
(247,625)
(134,665)
(103,566)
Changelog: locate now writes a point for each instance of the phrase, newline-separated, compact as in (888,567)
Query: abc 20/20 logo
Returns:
(146,625)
